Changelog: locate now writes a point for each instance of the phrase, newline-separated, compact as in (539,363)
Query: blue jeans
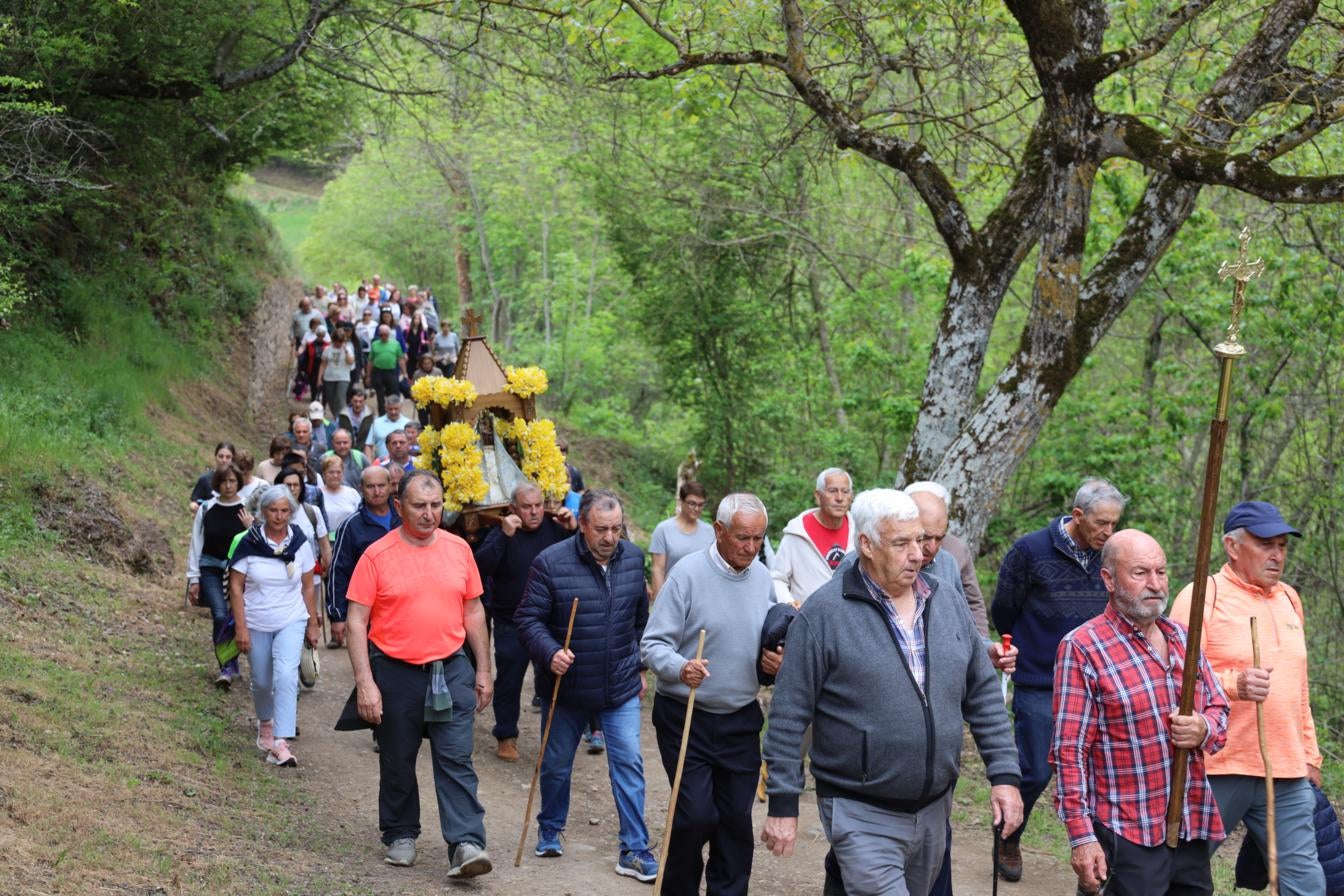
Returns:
(625,766)
(1242,798)
(214,594)
(274,657)
(511,662)
(1033,726)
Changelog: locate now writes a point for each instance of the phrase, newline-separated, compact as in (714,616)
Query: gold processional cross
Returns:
(471,321)
(1242,270)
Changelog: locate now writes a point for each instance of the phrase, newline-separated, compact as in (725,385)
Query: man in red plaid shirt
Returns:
(1116,697)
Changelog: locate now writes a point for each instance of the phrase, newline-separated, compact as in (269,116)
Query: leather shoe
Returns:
(507,749)
(1010,861)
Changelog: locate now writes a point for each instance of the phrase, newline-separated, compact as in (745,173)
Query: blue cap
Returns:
(1260,518)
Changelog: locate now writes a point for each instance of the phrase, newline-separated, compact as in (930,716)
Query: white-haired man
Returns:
(960,551)
(884,673)
(816,540)
(1049,584)
(723,591)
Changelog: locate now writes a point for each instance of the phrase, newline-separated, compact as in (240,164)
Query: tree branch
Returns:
(1130,138)
(1098,69)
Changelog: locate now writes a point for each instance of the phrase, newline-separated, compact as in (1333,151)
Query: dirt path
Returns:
(350,810)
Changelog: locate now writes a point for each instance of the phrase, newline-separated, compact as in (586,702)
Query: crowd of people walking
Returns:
(868,623)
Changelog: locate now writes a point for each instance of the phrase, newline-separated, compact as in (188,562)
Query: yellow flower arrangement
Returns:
(460,462)
(428,442)
(542,461)
(525,382)
(422,391)
(507,429)
(451,390)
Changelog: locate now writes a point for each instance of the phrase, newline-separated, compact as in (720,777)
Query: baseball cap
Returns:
(1260,518)
(315,409)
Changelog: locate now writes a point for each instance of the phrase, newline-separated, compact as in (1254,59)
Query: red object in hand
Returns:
(1006,641)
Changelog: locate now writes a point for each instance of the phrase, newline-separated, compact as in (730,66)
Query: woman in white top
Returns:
(339,499)
(271,594)
(333,377)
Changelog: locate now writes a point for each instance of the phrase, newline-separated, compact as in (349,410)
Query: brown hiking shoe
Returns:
(507,749)
(1010,861)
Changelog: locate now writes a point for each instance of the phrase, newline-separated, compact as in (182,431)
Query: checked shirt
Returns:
(1112,747)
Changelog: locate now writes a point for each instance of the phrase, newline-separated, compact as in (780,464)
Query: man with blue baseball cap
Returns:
(1248,586)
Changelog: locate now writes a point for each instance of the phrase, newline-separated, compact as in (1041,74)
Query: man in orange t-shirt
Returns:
(413,604)
(1248,586)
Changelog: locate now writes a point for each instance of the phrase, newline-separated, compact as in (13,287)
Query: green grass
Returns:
(291,212)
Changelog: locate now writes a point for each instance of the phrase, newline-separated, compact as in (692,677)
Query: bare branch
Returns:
(1102,67)
(655,26)
(1128,137)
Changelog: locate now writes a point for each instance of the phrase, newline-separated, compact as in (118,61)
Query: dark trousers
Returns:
(718,784)
(1033,726)
(385,383)
(1136,870)
(511,663)
(461,816)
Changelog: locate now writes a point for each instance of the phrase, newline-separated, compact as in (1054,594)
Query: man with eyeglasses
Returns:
(816,540)
(681,535)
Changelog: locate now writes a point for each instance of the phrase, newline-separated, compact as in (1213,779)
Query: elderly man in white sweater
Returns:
(723,590)
(816,540)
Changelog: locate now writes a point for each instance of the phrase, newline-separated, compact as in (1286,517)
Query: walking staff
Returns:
(1228,351)
(676,778)
(545,736)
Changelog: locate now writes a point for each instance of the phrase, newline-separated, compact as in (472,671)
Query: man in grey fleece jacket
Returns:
(885,673)
(723,591)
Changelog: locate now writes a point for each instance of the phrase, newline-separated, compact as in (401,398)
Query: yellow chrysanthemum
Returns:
(526,382)
(543,461)
(451,390)
(428,442)
(463,481)
(422,391)
(456,437)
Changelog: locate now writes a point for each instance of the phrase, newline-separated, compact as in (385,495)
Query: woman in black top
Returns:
(217,522)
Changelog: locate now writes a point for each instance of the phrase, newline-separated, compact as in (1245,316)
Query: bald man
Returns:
(1117,681)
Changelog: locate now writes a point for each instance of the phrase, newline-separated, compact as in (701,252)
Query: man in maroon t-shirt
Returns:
(816,540)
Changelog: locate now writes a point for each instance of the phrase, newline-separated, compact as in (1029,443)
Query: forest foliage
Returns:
(691,256)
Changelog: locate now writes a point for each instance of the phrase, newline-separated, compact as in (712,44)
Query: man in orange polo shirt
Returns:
(1248,586)
(412,604)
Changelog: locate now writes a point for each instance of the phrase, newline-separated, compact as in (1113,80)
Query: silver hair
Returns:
(833,471)
(526,486)
(1096,491)
(878,504)
(928,486)
(739,502)
(1238,534)
(272,493)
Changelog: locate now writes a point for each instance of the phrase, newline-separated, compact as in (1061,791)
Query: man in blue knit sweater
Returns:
(1049,584)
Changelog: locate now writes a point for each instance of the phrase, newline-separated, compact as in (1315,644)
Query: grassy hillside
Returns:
(124,771)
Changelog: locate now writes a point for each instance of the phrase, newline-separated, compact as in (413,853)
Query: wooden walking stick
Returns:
(676,777)
(1242,271)
(1272,846)
(545,736)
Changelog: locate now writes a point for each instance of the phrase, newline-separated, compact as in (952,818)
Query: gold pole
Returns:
(1229,350)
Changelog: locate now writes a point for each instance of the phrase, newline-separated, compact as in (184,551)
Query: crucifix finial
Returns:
(471,322)
(1242,271)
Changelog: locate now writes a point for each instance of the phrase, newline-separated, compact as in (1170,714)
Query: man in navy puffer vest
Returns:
(601,669)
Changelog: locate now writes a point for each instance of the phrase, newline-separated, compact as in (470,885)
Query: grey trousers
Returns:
(886,853)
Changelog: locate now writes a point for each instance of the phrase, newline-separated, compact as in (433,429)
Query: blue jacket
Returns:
(1043,594)
(353,538)
(613,608)
(1252,873)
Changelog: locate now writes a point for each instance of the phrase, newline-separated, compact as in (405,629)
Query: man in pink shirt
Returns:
(1248,586)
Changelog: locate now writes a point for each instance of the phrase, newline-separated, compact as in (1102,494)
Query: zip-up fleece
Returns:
(875,737)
